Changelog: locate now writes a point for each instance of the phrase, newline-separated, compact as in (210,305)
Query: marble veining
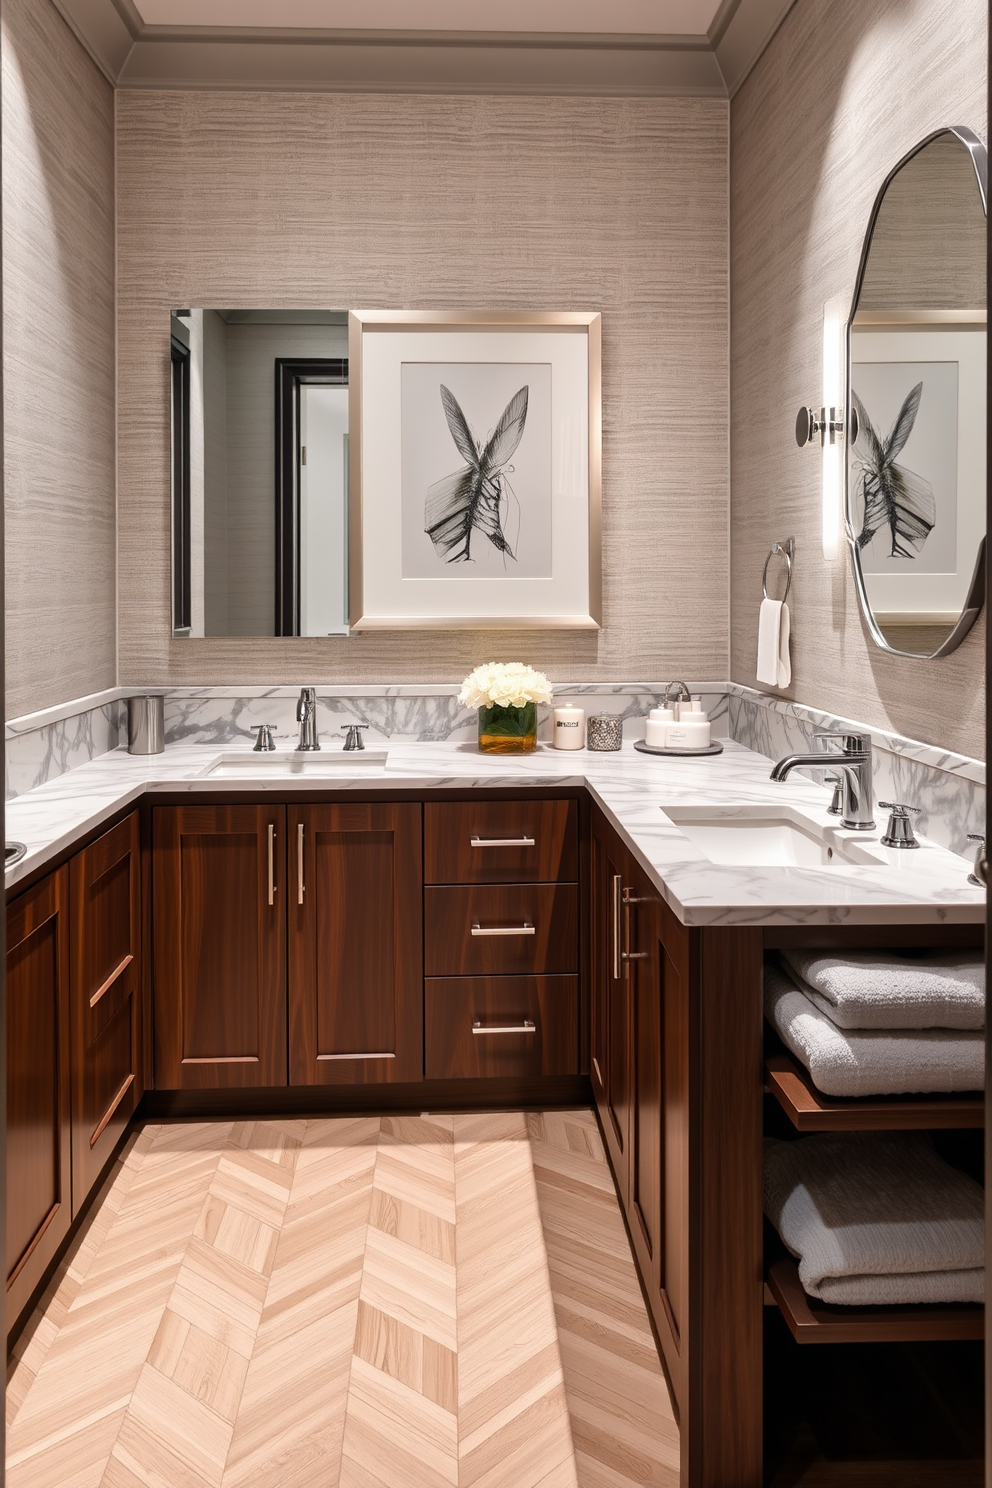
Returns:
(631,788)
(225,716)
(41,754)
(948,788)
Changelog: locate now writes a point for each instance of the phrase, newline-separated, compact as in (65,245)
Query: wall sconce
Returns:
(828,423)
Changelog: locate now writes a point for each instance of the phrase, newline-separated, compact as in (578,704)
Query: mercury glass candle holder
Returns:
(604,732)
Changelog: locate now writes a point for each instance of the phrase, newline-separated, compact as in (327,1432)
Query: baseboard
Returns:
(344,1100)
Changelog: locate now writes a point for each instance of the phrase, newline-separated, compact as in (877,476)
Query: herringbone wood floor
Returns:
(395,1302)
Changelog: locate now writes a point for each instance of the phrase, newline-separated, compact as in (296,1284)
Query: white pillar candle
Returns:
(568,728)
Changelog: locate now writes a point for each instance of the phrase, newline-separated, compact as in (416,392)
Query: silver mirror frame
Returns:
(975,598)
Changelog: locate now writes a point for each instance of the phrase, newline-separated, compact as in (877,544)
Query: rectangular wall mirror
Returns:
(259,472)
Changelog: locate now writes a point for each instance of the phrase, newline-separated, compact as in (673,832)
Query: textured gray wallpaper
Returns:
(616,205)
(844,90)
(58,362)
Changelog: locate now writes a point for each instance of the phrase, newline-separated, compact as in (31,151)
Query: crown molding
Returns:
(134,55)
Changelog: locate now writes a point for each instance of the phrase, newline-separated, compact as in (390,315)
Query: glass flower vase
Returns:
(508,730)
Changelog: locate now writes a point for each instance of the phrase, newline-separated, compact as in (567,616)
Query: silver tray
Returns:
(645,748)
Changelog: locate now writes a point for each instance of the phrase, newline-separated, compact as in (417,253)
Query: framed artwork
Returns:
(475,469)
(917,468)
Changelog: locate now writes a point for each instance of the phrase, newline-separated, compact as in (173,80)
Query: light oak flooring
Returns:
(394,1302)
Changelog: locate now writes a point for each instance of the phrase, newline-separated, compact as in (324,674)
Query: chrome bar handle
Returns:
(527,1026)
(617,960)
(627,955)
(503,930)
(503,841)
(300,889)
(272,864)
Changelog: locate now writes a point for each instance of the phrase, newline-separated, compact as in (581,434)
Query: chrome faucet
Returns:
(853,762)
(680,690)
(306,717)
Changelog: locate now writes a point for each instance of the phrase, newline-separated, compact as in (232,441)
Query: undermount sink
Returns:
(244,763)
(765,837)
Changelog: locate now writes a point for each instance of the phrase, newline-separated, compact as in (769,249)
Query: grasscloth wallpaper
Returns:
(617,205)
(58,362)
(844,90)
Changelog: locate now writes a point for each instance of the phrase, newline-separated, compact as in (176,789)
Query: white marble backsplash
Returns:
(401,713)
(949,788)
(41,753)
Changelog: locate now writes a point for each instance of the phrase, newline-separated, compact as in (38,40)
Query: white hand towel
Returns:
(873,989)
(877,1217)
(774,627)
(875,1061)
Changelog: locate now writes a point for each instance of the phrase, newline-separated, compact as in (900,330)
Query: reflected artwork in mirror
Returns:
(916,404)
(259,472)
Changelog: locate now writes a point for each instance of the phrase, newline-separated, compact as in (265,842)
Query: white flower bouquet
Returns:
(508,684)
(506,695)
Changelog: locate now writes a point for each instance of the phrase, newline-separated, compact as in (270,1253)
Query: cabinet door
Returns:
(105,1021)
(220,946)
(658,1209)
(356,966)
(610,1049)
(39,1198)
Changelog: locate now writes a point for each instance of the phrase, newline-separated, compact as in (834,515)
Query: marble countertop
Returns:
(631,788)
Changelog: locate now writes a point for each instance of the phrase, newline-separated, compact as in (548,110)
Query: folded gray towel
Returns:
(874,1062)
(877,1218)
(875,990)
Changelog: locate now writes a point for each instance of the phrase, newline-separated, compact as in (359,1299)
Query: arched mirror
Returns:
(916,400)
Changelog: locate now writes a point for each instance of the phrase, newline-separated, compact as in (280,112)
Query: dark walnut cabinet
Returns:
(675,1061)
(105,996)
(74,1041)
(39,1164)
(288,945)
(219,946)
(355,944)
(501,939)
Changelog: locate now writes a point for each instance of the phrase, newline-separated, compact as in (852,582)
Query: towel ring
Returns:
(780,550)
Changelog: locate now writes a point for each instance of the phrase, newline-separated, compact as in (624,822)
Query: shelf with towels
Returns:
(810,1110)
(812,1321)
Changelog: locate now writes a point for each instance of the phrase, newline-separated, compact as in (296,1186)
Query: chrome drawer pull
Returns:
(503,930)
(503,841)
(525,1027)
(272,864)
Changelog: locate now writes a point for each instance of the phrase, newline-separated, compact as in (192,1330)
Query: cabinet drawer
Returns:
(501,930)
(500,841)
(517,1026)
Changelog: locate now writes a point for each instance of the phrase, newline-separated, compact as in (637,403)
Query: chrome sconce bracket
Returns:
(825,422)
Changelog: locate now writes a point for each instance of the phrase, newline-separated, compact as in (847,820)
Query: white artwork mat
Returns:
(950,359)
(562,593)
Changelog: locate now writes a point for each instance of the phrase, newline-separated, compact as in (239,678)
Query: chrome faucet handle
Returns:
(681,691)
(353,738)
(264,741)
(899,832)
(978,876)
(836,807)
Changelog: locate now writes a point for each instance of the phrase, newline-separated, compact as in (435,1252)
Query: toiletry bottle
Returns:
(656,725)
(692,730)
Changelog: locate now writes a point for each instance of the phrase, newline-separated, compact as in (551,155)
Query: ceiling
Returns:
(702,48)
(637,17)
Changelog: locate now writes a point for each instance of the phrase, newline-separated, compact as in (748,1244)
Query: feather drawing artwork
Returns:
(894,497)
(476,499)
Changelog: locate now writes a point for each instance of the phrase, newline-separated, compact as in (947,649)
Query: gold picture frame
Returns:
(385,595)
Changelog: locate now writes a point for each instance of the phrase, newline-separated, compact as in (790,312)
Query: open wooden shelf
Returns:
(812,1321)
(810,1110)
